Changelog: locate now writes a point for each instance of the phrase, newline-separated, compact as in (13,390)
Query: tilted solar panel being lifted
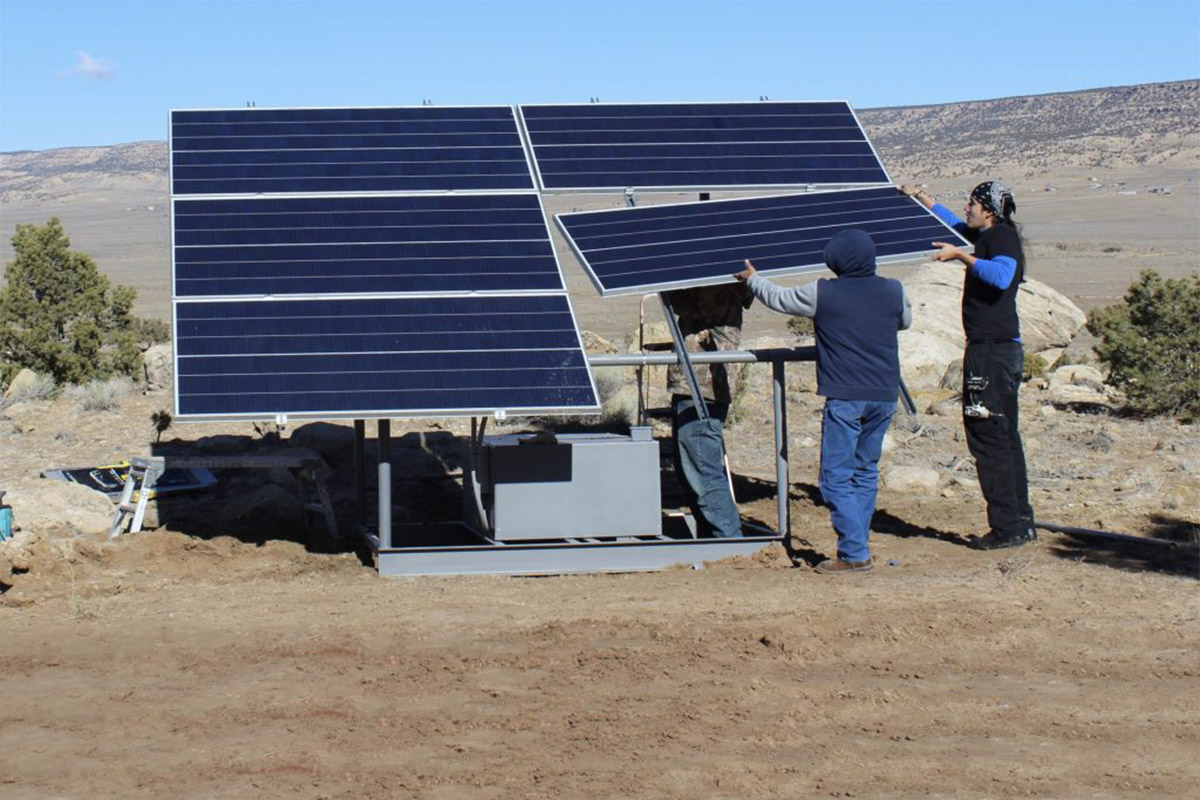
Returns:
(656,248)
(667,146)
(355,244)
(386,356)
(307,150)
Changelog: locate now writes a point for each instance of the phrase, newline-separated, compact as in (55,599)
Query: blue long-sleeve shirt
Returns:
(998,271)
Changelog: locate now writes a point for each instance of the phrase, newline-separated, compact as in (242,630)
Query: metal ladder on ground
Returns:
(142,476)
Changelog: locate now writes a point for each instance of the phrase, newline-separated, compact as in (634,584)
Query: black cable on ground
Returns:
(1107,535)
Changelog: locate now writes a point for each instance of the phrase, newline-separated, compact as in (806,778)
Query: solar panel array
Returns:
(655,248)
(317,274)
(699,146)
(249,151)
(396,261)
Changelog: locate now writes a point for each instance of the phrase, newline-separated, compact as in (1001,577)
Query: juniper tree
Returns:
(1151,344)
(59,315)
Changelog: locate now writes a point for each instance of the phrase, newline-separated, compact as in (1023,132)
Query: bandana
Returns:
(995,197)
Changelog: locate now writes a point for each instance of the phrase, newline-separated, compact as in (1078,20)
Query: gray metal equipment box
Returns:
(572,486)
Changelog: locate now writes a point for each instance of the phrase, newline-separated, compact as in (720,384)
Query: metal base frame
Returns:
(631,554)
(458,548)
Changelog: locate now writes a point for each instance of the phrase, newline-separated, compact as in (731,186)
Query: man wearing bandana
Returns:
(994,359)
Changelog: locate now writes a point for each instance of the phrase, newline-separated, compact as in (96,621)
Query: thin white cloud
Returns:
(89,67)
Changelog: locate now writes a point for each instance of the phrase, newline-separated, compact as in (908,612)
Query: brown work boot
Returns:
(835,565)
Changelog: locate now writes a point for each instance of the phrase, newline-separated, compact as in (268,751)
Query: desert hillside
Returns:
(1098,146)
(1127,126)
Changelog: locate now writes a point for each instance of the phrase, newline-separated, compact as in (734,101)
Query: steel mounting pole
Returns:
(385,484)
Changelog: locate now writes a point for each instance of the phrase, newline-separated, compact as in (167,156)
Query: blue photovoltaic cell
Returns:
(356,357)
(654,248)
(253,151)
(697,146)
(351,245)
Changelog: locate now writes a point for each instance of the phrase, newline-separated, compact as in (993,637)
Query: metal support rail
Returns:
(683,357)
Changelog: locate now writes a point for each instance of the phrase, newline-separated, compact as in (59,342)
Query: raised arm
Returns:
(944,214)
(800,301)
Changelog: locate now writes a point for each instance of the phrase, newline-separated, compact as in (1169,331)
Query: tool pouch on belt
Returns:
(975,387)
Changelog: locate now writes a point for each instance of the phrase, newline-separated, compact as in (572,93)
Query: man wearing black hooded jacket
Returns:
(856,316)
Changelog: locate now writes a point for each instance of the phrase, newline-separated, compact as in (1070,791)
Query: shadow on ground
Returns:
(885,522)
(257,505)
(1172,547)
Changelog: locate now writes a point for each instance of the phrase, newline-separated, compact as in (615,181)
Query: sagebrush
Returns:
(101,395)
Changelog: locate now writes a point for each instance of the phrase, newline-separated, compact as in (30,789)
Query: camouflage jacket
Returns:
(710,319)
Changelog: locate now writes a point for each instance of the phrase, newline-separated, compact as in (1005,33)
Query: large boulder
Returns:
(41,504)
(925,357)
(158,364)
(22,382)
(936,337)
(595,343)
(1078,384)
(1048,320)
(1077,375)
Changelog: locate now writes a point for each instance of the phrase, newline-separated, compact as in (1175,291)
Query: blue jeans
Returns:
(851,443)
(700,457)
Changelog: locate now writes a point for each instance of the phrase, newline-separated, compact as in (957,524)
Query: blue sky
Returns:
(98,73)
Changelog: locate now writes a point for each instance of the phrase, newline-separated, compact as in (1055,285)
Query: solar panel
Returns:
(655,248)
(252,150)
(365,262)
(603,146)
(395,356)
(355,244)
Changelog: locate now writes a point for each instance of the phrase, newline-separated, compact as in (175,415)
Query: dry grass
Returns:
(101,395)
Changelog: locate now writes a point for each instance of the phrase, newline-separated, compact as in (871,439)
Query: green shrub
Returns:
(1035,366)
(149,331)
(59,315)
(801,326)
(1151,345)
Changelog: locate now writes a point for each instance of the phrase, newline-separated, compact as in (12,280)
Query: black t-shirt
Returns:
(988,313)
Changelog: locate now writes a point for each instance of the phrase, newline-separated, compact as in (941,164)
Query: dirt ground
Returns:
(195,665)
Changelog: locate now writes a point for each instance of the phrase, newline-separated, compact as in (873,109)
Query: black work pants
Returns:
(991,377)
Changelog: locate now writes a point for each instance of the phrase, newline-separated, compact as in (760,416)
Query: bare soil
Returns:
(187,663)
